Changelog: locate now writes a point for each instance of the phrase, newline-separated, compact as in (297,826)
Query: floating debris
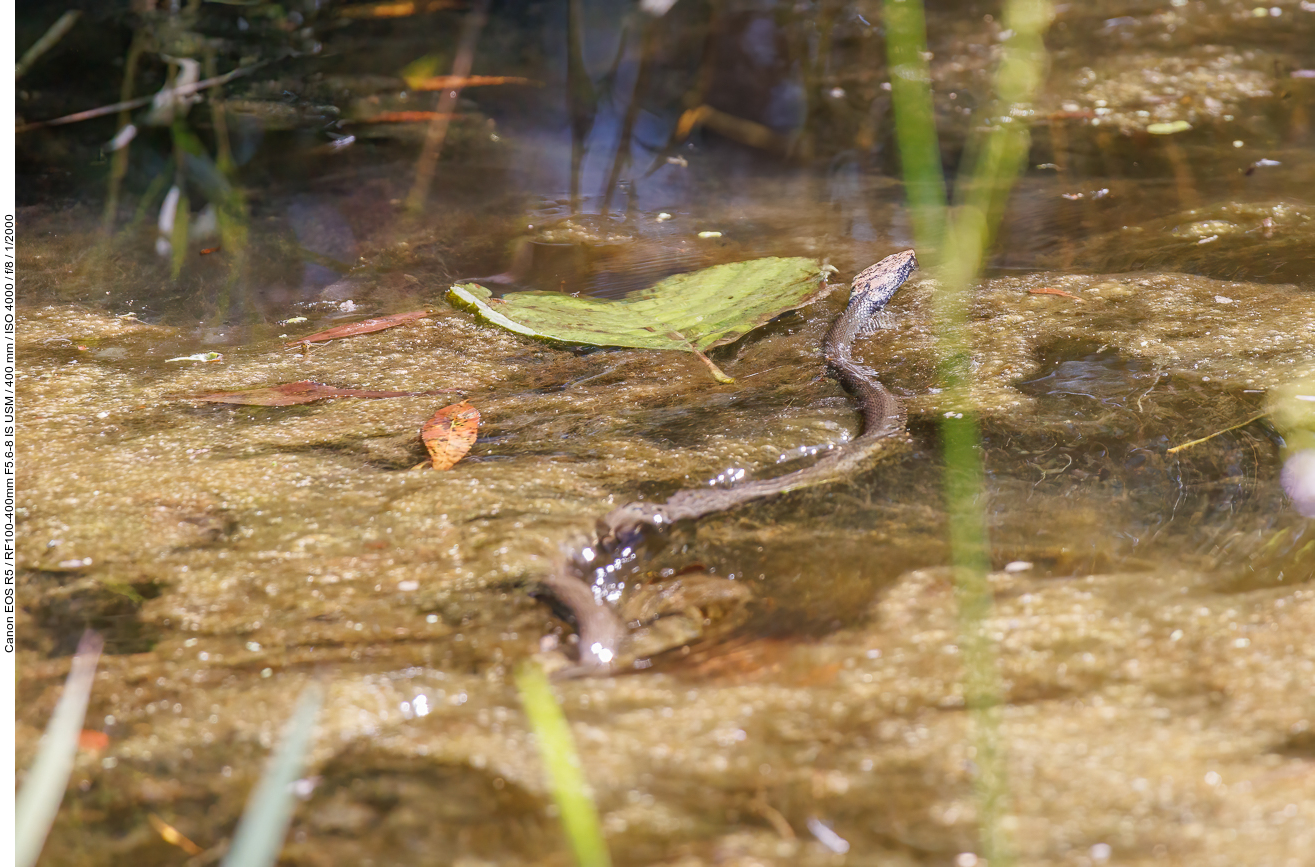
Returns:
(1168,128)
(367,326)
(200,356)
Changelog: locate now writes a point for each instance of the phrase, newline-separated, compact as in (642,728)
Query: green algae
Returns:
(281,540)
(1153,610)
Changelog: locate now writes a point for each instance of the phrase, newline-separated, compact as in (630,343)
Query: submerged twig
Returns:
(582,99)
(1176,449)
(447,82)
(181,90)
(621,158)
(47,41)
(746,132)
(447,105)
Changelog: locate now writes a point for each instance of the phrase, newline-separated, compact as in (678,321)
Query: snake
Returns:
(580,577)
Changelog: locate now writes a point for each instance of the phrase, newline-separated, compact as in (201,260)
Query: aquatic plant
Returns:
(557,750)
(43,788)
(259,836)
(956,242)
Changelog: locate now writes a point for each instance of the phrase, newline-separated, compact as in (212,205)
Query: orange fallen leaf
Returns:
(367,326)
(305,391)
(450,433)
(396,10)
(1046,290)
(170,834)
(92,741)
(449,82)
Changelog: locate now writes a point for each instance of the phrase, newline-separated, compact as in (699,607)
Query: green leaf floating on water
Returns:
(690,312)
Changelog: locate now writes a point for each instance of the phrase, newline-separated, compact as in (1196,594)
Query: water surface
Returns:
(1153,609)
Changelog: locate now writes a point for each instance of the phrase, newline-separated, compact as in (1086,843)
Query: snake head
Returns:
(875,286)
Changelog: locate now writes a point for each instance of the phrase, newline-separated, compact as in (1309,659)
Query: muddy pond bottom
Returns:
(1150,619)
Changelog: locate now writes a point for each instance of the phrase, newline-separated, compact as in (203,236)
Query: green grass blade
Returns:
(915,125)
(178,240)
(47,41)
(557,749)
(958,246)
(264,824)
(43,788)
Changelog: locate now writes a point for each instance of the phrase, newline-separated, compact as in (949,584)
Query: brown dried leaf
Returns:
(450,434)
(367,326)
(305,391)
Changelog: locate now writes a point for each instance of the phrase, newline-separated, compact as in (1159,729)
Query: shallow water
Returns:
(1152,609)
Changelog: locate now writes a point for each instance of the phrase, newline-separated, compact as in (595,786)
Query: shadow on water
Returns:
(68,605)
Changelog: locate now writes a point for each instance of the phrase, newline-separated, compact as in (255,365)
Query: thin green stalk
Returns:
(150,199)
(47,41)
(965,494)
(119,160)
(621,158)
(915,127)
(1001,154)
(234,219)
(566,777)
(958,244)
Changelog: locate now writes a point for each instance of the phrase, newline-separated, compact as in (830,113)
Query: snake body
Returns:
(622,530)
